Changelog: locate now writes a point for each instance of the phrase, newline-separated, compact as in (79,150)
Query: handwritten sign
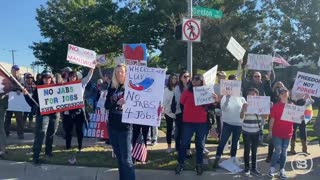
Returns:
(210,76)
(135,54)
(143,95)
(230,87)
(203,95)
(17,102)
(293,113)
(81,56)
(97,126)
(236,49)
(102,100)
(306,83)
(59,98)
(258,105)
(259,62)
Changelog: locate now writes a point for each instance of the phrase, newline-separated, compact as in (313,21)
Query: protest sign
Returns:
(258,105)
(97,126)
(306,83)
(102,59)
(102,100)
(17,102)
(59,98)
(230,87)
(236,49)
(293,113)
(210,76)
(203,95)
(135,54)
(81,56)
(143,95)
(259,62)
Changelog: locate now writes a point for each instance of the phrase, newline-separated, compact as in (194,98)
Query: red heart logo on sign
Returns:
(133,54)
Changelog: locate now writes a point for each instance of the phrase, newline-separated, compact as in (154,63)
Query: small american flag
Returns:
(280,60)
(139,151)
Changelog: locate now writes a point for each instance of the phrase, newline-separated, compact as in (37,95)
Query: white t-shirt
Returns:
(231,110)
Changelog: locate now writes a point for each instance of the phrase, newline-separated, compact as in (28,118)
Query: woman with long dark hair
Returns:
(169,105)
(194,121)
(183,84)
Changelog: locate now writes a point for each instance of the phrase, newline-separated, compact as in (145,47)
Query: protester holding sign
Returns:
(217,108)
(183,84)
(46,125)
(120,133)
(281,132)
(15,71)
(232,123)
(76,117)
(250,134)
(194,121)
(306,101)
(169,105)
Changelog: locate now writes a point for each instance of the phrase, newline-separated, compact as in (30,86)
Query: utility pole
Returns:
(12,53)
(189,54)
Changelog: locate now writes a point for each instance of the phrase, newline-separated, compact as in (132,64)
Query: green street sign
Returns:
(211,13)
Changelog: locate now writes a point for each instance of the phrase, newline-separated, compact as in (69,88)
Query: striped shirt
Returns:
(251,123)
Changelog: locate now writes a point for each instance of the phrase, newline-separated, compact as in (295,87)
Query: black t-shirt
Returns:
(115,110)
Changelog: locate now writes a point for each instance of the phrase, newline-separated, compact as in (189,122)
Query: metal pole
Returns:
(189,55)
(12,52)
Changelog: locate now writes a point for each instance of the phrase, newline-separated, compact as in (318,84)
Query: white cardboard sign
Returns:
(293,113)
(203,95)
(258,105)
(306,83)
(81,56)
(230,87)
(259,62)
(210,76)
(17,102)
(236,49)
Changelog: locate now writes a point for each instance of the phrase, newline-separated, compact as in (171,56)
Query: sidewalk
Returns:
(27,171)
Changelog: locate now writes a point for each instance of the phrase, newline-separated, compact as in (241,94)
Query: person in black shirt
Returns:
(120,133)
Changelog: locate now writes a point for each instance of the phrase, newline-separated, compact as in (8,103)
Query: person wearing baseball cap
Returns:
(15,71)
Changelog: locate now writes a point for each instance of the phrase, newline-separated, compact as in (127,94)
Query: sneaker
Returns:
(247,172)
(256,173)
(271,173)
(178,169)
(199,169)
(282,174)
(72,160)
(169,150)
(206,151)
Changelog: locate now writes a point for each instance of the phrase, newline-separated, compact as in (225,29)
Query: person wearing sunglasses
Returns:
(183,84)
(194,122)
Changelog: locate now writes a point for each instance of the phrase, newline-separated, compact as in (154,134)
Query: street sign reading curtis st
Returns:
(211,13)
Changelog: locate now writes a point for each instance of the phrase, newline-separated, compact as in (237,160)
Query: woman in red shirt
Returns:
(194,121)
(281,133)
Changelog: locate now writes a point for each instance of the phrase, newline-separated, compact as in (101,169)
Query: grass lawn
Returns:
(100,156)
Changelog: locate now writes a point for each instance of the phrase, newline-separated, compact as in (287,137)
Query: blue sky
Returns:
(18,30)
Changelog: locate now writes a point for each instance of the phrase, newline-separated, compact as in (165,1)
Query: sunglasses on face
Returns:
(186,76)
(256,76)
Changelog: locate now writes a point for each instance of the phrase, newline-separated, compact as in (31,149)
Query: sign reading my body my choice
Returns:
(143,95)
(59,98)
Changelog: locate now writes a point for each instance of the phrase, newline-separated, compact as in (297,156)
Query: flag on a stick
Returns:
(7,84)
(280,60)
(139,151)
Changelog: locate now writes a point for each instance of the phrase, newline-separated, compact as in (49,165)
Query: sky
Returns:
(18,30)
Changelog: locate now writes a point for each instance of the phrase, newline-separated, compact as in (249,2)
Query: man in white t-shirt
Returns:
(232,124)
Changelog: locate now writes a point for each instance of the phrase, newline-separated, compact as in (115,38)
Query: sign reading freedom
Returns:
(59,98)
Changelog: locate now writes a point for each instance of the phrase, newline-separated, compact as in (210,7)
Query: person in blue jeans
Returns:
(120,133)
(232,124)
(46,125)
(281,132)
(194,121)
